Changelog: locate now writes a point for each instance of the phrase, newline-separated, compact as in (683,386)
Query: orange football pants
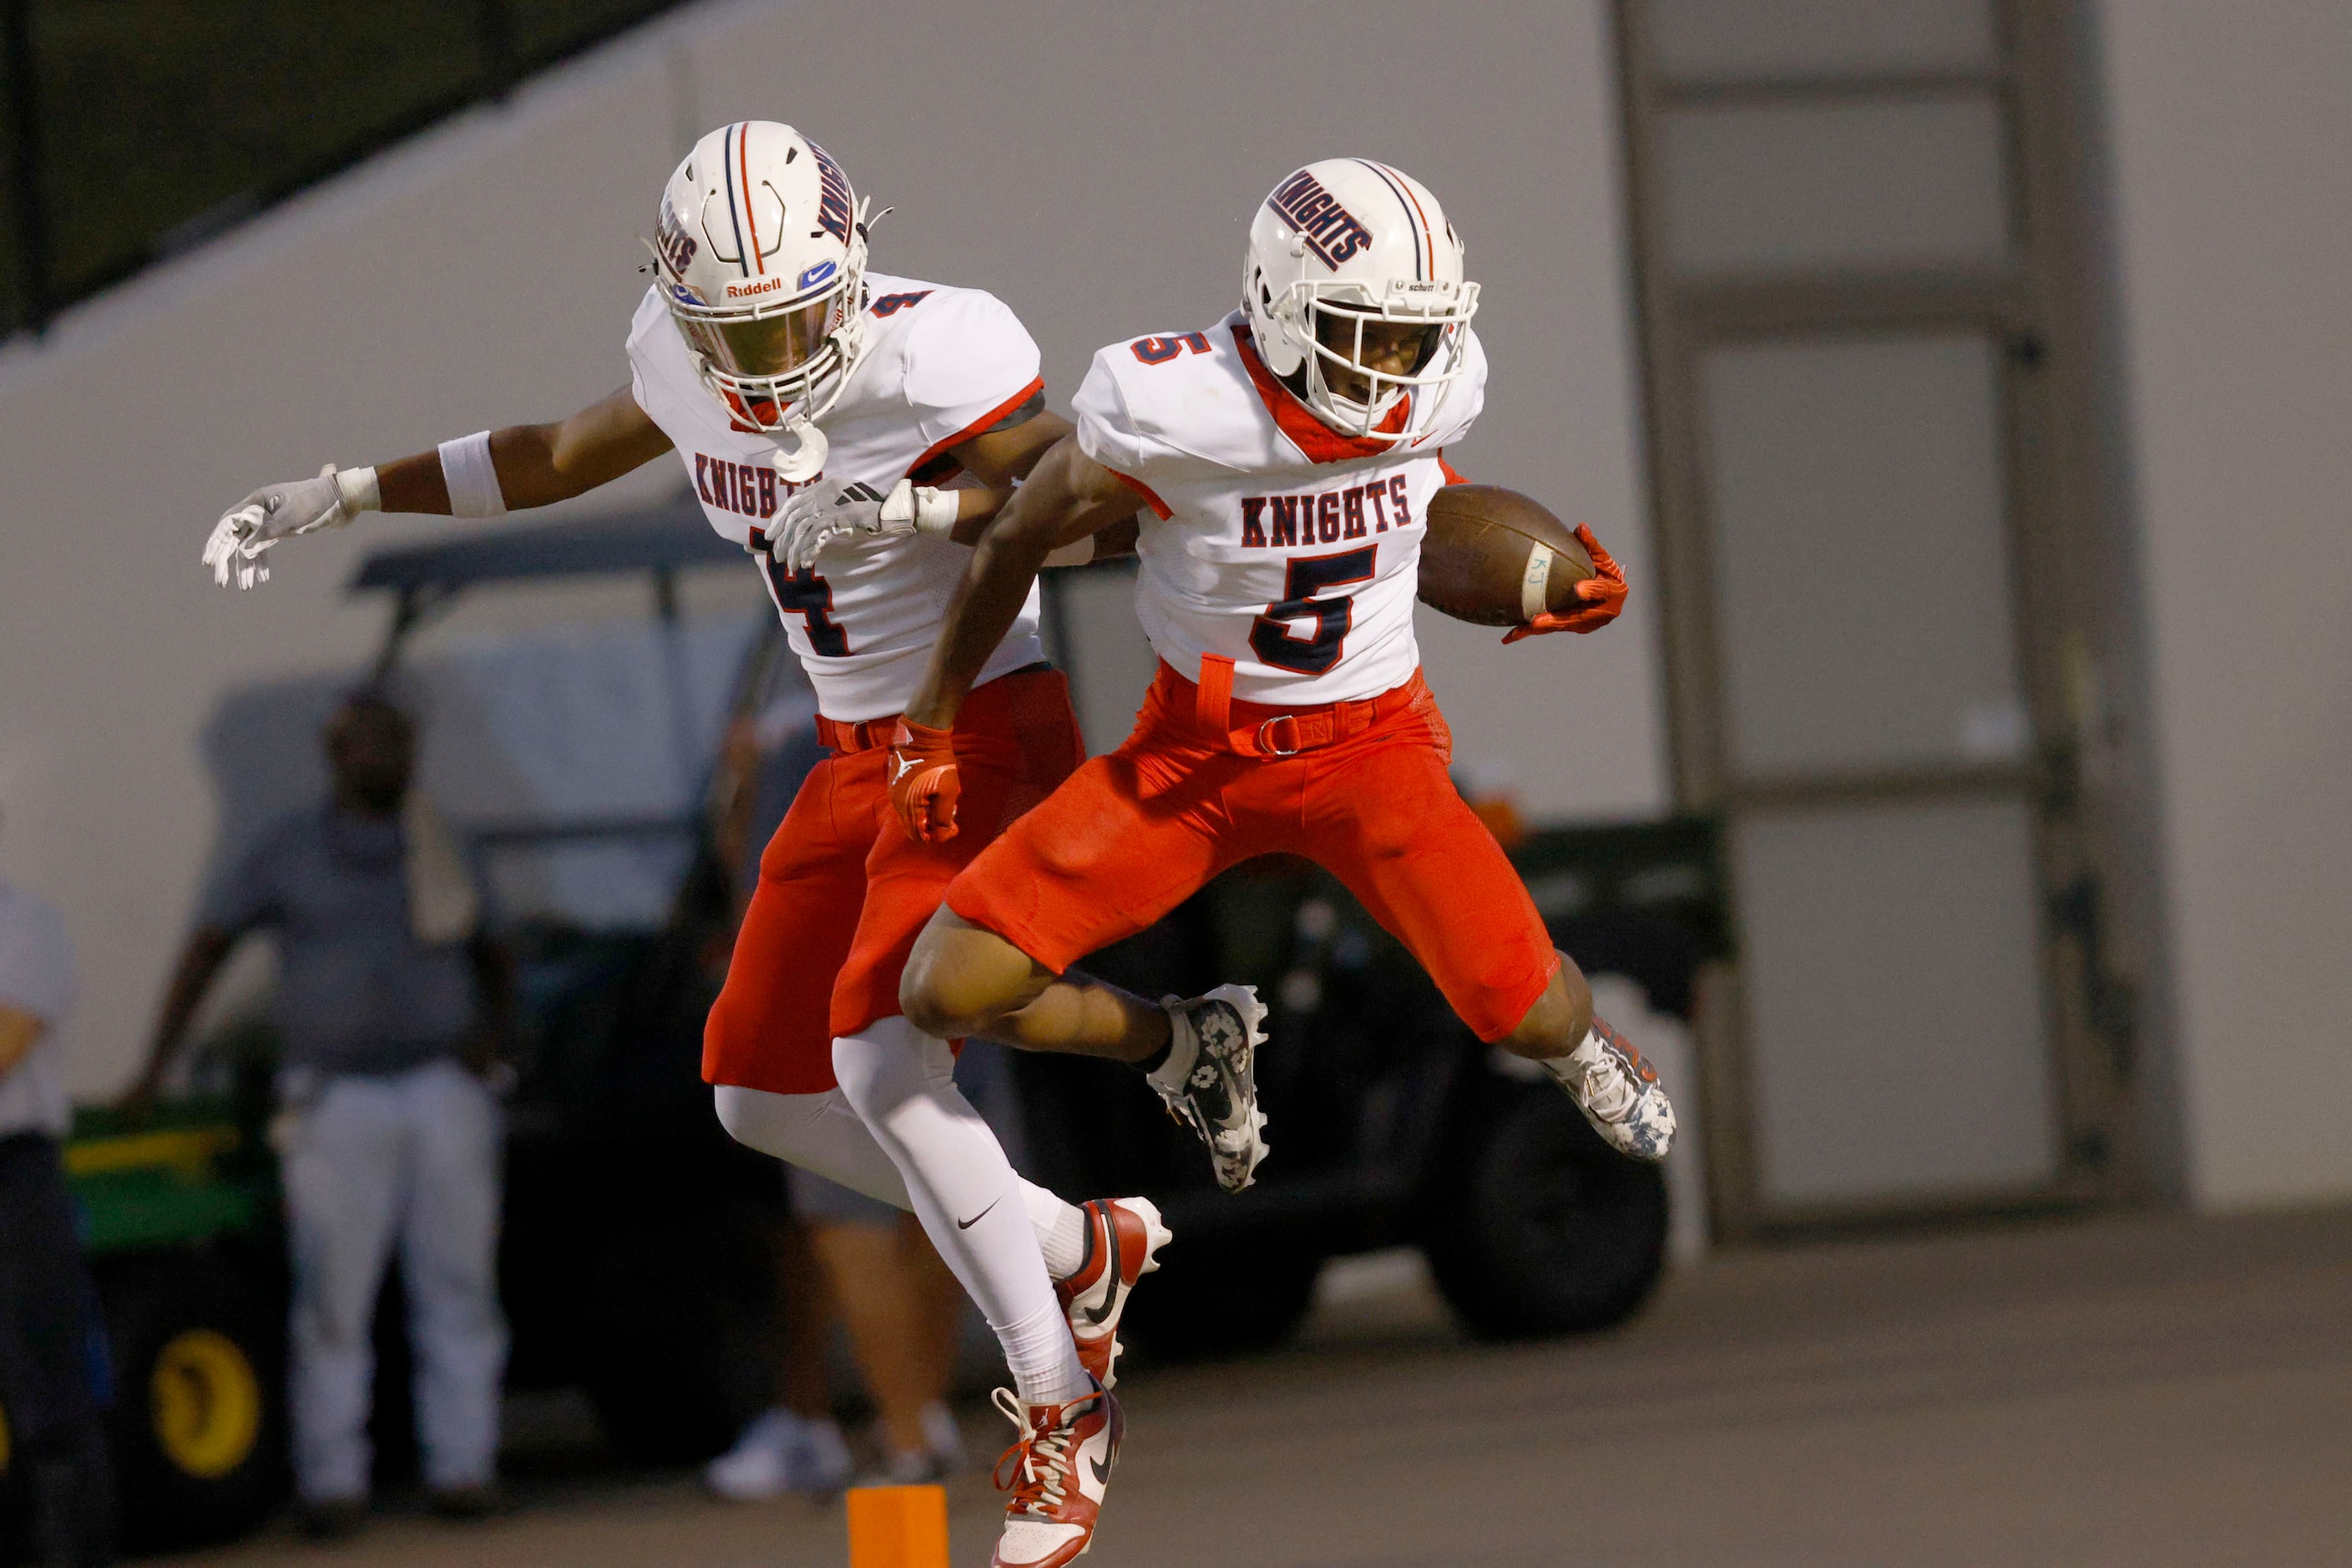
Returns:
(844,891)
(1134,832)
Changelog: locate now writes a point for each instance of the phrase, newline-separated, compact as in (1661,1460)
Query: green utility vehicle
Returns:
(180,1219)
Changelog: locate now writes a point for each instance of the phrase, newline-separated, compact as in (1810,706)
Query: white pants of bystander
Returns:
(411,1161)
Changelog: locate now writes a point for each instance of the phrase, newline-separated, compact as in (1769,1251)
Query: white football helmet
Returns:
(760,254)
(1340,244)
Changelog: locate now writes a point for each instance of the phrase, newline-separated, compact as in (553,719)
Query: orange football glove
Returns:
(923,782)
(1603,595)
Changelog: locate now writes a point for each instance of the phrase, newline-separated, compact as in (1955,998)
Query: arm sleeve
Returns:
(36,960)
(970,363)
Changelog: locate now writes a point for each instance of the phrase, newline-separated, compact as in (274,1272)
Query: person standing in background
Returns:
(49,1354)
(393,1004)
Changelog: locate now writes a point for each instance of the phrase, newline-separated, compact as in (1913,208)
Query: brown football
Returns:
(1493,558)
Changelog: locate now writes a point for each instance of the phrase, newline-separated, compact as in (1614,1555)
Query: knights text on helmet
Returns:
(1330,229)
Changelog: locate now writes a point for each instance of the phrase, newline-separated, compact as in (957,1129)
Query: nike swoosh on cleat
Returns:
(968,1223)
(1102,1472)
(1096,1315)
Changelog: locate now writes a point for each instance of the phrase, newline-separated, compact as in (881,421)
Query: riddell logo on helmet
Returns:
(1330,229)
(753,288)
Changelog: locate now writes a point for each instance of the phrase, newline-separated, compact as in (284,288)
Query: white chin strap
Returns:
(803,459)
(1358,419)
(800,446)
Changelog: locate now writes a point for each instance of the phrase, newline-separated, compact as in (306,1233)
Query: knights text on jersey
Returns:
(1273,540)
(941,366)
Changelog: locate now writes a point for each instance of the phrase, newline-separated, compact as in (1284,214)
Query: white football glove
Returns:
(829,510)
(282,512)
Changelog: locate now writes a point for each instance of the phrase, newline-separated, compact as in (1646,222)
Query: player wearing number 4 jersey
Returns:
(1287,456)
(824,414)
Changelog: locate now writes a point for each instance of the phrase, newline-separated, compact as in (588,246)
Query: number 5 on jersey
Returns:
(810,596)
(1270,634)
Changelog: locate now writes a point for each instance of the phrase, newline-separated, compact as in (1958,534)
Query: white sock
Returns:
(1061,1230)
(821,1132)
(1184,1050)
(1046,1368)
(901,1083)
(1565,1065)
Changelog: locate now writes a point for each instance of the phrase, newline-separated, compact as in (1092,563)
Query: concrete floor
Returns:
(2141,1391)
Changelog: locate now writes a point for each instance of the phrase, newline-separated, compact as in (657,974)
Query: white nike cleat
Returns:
(1619,1093)
(1209,1081)
(1124,1236)
(1056,1470)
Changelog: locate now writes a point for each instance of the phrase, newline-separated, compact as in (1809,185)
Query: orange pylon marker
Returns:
(898,1527)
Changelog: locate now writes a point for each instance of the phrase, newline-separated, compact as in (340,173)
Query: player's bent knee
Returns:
(758,1119)
(1556,1024)
(962,978)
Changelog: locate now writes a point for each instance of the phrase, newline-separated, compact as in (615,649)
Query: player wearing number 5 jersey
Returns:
(1287,456)
(850,430)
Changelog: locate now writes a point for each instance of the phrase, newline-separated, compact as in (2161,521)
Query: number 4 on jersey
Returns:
(1271,637)
(806,595)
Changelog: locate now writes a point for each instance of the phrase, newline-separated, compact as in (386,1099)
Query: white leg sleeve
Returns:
(901,1081)
(817,1132)
(821,1132)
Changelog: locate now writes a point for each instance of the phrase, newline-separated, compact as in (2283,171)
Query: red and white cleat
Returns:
(1124,1236)
(1057,1471)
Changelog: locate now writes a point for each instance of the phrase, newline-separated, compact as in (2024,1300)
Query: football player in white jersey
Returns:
(821,411)
(1288,457)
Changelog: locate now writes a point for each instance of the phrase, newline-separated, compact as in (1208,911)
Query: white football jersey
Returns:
(1272,540)
(941,366)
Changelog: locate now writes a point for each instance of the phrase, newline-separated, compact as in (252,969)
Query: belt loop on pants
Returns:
(1213,700)
(846,740)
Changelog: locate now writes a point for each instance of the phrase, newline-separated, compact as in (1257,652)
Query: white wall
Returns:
(1096,166)
(2230,131)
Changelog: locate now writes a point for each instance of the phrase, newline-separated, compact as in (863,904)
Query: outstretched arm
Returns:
(538,465)
(481,475)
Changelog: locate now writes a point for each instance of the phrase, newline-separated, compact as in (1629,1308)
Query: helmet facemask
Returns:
(1355,369)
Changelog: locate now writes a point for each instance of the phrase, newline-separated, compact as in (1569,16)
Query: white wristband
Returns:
(936,511)
(359,490)
(1073,554)
(472,477)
